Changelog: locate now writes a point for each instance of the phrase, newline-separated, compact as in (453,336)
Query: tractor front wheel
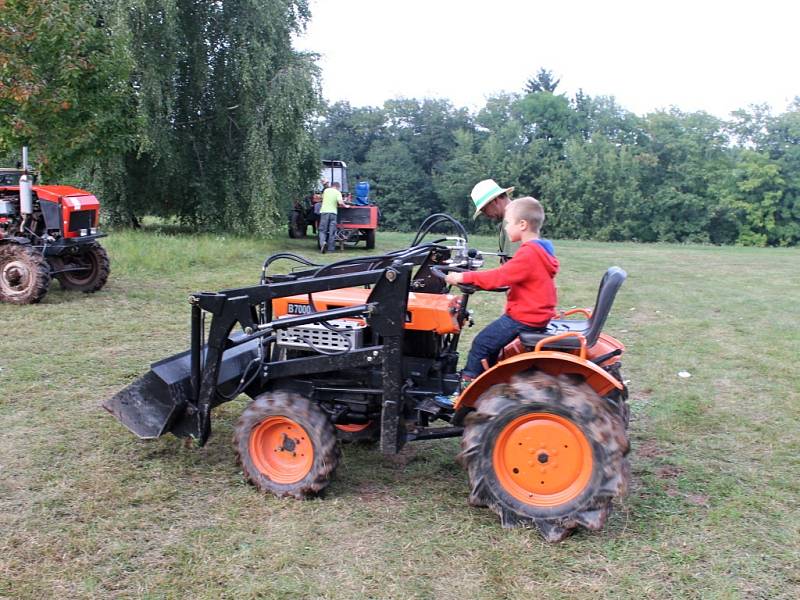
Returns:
(85,272)
(286,445)
(547,452)
(24,274)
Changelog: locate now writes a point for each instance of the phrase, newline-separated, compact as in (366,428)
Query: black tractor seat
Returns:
(590,328)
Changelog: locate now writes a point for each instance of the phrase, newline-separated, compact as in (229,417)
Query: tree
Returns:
(224,106)
(684,163)
(63,82)
(543,81)
(398,181)
(347,133)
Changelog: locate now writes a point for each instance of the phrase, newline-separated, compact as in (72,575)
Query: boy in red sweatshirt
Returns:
(530,275)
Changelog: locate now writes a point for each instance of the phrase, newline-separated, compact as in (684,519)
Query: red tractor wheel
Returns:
(286,445)
(85,272)
(24,274)
(547,452)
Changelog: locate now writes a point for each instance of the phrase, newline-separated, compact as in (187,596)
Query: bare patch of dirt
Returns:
(698,500)
(403,458)
(668,472)
(648,449)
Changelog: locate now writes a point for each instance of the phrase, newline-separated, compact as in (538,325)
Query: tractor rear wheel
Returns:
(297,227)
(369,236)
(547,452)
(91,269)
(286,445)
(24,274)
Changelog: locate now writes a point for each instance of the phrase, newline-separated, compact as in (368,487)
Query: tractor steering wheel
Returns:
(467,288)
(441,270)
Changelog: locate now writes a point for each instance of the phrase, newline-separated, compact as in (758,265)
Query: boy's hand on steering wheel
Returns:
(453,278)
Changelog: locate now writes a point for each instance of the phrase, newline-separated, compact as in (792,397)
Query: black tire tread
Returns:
(598,419)
(38,266)
(98,277)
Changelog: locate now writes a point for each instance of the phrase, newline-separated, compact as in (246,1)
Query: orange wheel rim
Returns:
(543,459)
(353,427)
(281,449)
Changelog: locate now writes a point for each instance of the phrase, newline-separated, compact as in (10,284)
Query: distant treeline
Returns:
(601,171)
(201,110)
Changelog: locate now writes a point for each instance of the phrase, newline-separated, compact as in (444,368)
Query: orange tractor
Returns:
(367,348)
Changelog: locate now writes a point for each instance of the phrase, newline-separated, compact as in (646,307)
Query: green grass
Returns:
(88,511)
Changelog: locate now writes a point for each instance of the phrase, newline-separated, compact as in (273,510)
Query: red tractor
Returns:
(357,221)
(47,231)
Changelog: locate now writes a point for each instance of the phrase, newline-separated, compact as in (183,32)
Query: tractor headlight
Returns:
(93,230)
(83,232)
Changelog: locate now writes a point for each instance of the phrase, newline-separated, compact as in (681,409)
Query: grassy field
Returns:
(88,511)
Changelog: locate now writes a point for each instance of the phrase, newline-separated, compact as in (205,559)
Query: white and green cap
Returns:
(484,192)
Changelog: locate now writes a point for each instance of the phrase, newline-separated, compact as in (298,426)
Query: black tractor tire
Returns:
(286,445)
(297,227)
(366,434)
(620,397)
(517,436)
(24,274)
(369,236)
(95,259)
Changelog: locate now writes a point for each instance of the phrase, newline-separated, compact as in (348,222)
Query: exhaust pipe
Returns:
(25,187)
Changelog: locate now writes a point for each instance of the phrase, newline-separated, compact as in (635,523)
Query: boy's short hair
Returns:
(528,209)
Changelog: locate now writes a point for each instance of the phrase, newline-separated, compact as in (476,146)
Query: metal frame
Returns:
(177,394)
(384,312)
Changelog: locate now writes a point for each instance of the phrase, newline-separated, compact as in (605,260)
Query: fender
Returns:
(550,362)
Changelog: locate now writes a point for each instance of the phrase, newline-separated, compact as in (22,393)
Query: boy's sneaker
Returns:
(449,401)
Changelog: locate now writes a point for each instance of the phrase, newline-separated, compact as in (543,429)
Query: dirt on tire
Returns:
(307,415)
(24,274)
(534,394)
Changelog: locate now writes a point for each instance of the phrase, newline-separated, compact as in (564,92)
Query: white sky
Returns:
(707,55)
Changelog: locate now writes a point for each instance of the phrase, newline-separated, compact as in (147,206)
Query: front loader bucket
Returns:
(151,404)
(157,403)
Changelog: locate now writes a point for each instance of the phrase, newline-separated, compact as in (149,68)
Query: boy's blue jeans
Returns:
(488,343)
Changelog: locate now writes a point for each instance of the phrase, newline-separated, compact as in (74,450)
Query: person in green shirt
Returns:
(492,200)
(331,201)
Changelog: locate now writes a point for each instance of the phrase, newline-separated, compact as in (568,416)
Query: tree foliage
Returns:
(63,82)
(202,110)
(225,105)
(543,81)
(197,109)
(601,171)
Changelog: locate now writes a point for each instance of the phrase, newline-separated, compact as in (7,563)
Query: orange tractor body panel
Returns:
(426,312)
(551,362)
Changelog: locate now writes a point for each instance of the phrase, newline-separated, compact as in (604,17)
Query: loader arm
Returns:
(177,395)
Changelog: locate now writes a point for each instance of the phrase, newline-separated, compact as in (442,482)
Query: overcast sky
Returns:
(697,55)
